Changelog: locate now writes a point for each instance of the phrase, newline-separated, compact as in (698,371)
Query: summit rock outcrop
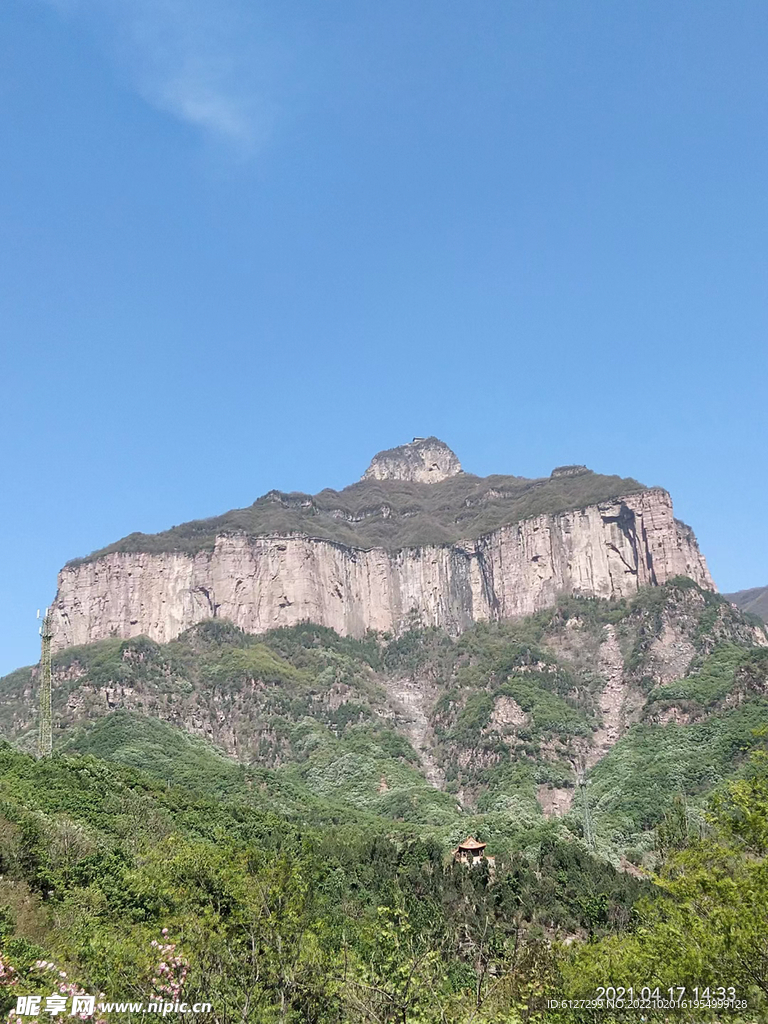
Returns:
(282,562)
(426,460)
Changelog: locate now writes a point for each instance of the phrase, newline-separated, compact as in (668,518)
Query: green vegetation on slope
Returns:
(476,733)
(753,601)
(708,930)
(307,876)
(389,513)
(273,920)
(634,784)
(109,872)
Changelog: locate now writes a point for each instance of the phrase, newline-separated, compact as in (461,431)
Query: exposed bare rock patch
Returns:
(477,758)
(671,653)
(506,712)
(410,700)
(555,801)
(672,715)
(630,868)
(620,703)
(337,695)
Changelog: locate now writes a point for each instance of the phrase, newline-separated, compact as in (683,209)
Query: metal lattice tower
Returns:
(589,836)
(45,740)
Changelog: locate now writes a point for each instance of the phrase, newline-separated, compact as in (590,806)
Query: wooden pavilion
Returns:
(470,852)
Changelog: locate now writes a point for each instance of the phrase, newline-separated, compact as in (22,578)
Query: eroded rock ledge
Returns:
(425,460)
(608,550)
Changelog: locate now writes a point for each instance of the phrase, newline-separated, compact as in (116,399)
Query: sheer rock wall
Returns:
(607,550)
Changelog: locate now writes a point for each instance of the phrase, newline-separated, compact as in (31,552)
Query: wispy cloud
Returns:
(201,61)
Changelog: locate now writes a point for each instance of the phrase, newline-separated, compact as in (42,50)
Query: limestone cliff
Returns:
(425,460)
(609,549)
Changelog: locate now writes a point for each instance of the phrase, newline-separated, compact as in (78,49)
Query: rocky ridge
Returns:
(754,601)
(609,550)
(259,581)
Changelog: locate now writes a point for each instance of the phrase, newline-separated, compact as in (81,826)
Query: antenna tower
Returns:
(589,836)
(45,740)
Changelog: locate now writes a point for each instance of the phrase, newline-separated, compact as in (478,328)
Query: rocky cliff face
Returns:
(426,460)
(606,550)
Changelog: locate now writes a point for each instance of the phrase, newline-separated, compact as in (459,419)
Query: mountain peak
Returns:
(425,460)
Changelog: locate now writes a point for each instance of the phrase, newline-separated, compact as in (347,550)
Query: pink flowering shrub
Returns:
(170,972)
(8,974)
(44,969)
(44,978)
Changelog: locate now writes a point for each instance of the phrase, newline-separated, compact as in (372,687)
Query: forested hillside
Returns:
(126,883)
(492,730)
(753,601)
(287,807)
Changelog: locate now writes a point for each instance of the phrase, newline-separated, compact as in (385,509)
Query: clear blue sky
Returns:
(248,244)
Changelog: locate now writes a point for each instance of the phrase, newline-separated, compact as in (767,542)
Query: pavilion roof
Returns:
(470,843)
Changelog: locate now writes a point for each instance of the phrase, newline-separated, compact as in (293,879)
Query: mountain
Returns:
(489,731)
(416,541)
(251,808)
(754,601)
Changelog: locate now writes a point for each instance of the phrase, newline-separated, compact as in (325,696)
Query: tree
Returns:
(709,927)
